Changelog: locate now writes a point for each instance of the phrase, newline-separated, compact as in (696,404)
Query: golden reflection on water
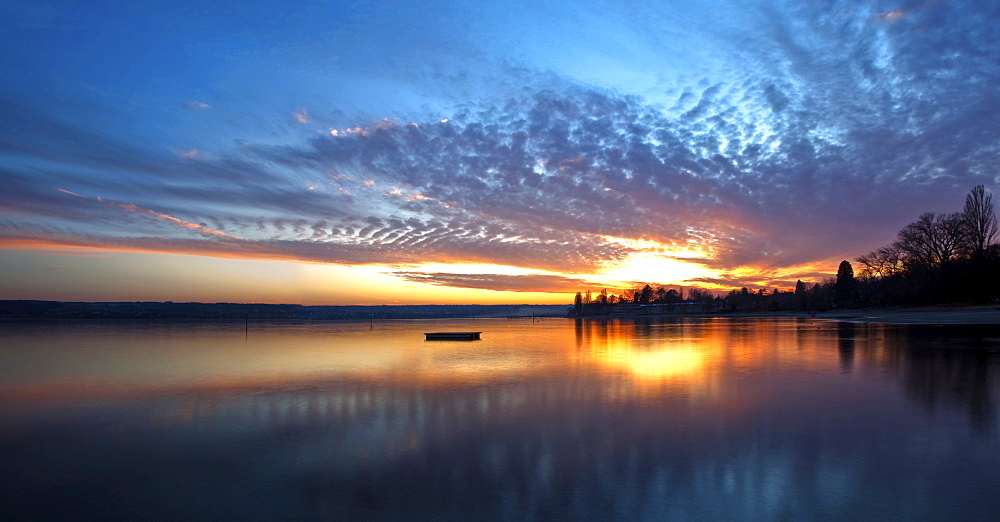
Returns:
(673,363)
(703,357)
(108,362)
(627,346)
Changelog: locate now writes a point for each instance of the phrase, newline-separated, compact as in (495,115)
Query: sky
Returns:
(459,152)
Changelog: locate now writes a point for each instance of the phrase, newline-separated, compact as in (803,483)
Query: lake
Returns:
(717,418)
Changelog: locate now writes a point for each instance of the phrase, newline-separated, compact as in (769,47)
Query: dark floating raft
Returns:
(452,336)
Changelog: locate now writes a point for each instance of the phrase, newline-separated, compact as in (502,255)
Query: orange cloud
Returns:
(891,16)
(172,220)
(131,207)
(54,247)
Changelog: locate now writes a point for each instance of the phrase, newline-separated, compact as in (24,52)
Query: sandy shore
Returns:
(920,315)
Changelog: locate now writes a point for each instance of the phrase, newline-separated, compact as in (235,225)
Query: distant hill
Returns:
(27,309)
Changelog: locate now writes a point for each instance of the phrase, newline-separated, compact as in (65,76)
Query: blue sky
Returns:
(524,149)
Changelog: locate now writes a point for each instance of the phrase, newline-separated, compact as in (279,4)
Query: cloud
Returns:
(130,207)
(499,282)
(813,133)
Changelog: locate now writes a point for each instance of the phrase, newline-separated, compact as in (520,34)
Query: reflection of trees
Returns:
(943,367)
(845,345)
(948,367)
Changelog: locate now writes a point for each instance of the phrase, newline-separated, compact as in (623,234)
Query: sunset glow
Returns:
(650,258)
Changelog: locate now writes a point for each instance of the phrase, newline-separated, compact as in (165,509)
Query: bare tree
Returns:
(980,223)
(934,239)
(884,262)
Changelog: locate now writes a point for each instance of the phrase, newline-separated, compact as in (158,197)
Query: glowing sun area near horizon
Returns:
(655,263)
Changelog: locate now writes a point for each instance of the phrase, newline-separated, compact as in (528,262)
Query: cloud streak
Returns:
(499,282)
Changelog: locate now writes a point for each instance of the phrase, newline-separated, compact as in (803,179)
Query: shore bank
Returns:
(917,315)
(970,315)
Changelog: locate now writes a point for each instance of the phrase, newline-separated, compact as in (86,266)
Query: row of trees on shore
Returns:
(697,300)
(939,258)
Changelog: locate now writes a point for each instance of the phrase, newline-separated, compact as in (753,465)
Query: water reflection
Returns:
(846,333)
(948,369)
(598,419)
(646,352)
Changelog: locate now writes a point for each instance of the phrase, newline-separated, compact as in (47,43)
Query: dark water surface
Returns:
(676,419)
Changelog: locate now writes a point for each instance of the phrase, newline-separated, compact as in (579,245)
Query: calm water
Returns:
(706,419)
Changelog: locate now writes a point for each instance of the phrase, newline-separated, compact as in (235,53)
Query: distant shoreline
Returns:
(149,310)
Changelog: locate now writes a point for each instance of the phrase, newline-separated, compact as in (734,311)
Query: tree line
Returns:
(939,258)
(697,300)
